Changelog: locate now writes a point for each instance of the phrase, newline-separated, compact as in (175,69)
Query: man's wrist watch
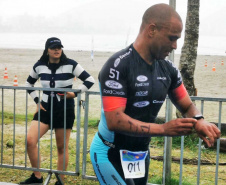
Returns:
(198,117)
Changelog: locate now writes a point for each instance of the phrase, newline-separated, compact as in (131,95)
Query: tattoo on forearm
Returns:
(135,127)
(145,129)
(132,126)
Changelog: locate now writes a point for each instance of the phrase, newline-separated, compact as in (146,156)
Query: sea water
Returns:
(207,45)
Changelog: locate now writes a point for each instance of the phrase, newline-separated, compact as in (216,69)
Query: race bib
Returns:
(133,163)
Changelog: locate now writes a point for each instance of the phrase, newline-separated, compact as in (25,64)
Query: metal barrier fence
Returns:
(52,169)
(167,154)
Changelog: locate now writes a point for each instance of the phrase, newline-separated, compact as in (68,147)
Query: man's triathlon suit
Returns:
(126,80)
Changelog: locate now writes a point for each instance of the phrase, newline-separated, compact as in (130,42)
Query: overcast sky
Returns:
(52,8)
(103,16)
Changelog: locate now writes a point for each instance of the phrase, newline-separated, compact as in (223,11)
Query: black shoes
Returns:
(58,183)
(33,180)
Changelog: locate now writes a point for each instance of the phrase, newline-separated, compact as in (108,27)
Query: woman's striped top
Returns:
(59,75)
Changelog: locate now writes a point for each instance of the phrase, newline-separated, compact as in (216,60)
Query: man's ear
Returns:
(151,30)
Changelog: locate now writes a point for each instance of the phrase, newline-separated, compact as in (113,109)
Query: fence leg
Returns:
(59,178)
(48,178)
(167,147)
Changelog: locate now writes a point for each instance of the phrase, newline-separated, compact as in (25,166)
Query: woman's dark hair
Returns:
(45,57)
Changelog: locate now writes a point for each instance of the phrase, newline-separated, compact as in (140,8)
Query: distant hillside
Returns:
(91,18)
(109,20)
(117,17)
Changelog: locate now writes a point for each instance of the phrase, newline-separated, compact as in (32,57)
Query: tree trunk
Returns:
(222,145)
(189,49)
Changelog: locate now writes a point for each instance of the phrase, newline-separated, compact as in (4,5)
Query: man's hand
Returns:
(179,127)
(208,132)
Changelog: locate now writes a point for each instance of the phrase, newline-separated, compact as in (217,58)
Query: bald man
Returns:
(134,83)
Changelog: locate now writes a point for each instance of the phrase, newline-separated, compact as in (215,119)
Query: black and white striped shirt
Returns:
(57,76)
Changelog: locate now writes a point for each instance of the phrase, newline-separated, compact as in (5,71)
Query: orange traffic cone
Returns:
(222,62)
(74,78)
(6,74)
(214,69)
(15,82)
(206,64)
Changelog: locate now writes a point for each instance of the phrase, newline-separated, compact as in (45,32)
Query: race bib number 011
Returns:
(133,163)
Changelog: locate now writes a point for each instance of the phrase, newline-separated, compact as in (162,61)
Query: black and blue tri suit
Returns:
(127,80)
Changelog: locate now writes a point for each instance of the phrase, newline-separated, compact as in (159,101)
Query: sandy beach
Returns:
(20,61)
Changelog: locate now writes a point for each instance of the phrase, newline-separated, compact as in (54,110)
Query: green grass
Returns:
(157,180)
(155,172)
(93,123)
(19,118)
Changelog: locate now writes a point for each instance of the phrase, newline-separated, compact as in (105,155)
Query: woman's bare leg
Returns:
(60,149)
(32,140)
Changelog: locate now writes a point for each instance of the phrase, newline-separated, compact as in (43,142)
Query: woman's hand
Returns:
(68,95)
(41,108)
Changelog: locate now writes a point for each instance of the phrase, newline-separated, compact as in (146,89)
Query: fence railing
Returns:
(51,169)
(12,162)
(166,153)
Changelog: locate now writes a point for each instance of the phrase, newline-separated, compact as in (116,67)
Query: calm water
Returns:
(207,45)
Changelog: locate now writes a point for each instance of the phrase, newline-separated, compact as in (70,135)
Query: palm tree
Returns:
(189,50)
